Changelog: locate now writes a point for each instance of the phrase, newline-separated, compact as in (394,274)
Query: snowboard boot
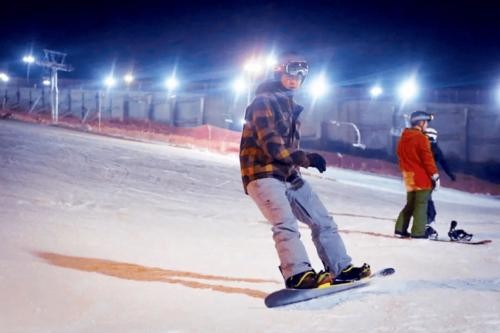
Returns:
(304,280)
(402,234)
(324,279)
(352,273)
(430,232)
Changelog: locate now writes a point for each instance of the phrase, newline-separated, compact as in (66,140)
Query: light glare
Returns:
(128,78)
(376,91)
(253,66)
(271,61)
(109,81)
(318,87)
(240,85)
(408,90)
(29,59)
(4,77)
(172,83)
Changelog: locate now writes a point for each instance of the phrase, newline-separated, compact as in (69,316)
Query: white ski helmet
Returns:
(417,116)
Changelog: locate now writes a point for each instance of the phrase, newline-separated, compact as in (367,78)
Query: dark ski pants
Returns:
(282,204)
(431,210)
(416,207)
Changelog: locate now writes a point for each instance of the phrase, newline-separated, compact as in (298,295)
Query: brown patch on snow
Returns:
(143,273)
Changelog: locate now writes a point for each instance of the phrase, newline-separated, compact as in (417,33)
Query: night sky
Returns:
(447,43)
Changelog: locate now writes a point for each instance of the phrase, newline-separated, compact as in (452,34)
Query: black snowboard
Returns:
(290,296)
(480,242)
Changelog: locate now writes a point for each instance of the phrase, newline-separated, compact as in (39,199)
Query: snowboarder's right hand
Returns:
(317,161)
(436,183)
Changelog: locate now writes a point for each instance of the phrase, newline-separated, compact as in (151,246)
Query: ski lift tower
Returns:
(55,62)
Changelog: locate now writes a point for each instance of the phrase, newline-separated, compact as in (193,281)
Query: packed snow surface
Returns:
(106,235)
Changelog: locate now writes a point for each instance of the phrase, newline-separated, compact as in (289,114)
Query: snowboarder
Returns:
(420,175)
(439,158)
(270,159)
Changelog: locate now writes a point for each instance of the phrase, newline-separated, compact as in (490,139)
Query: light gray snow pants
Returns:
(282,204)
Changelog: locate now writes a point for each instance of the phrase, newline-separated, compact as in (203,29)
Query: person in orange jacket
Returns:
(420,175)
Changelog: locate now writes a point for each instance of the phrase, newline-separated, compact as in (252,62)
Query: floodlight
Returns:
(318,87)
(46,82)
(408,89)
(128,78)
(376,91)
(109,81)
(4,77)
(172,83)
(29,59)
(253,66)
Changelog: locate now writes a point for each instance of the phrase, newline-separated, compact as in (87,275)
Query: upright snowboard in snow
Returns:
(290,296)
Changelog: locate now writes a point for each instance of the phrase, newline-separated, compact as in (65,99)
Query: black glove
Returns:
(453,177)
(317,161)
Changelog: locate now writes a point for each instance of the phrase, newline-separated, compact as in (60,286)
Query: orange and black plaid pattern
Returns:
(270,138)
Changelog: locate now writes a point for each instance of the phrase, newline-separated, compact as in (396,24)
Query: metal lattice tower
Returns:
(54,61)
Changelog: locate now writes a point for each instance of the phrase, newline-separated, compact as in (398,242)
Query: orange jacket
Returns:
(415,160)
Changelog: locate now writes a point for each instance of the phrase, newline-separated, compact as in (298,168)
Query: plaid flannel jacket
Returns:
(270,138)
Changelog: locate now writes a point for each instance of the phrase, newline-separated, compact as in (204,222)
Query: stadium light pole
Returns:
(4,78)
(253,69)
(129,79)
(28,60)
(172,83)
(109,83)
(406,92)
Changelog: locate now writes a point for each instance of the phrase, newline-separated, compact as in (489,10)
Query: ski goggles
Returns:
(296,68)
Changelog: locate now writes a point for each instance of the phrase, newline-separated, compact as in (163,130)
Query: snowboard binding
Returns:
(458,234)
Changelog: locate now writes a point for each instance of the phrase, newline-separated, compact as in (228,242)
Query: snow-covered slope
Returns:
(106,235)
